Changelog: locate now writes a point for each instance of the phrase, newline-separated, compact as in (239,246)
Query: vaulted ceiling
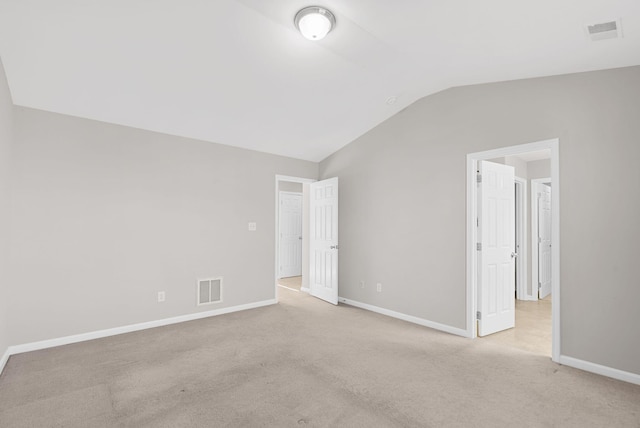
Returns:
(237,72)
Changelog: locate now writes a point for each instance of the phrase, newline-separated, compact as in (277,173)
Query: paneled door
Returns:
(323,228)
(544,240)
(496,249)
(290,234)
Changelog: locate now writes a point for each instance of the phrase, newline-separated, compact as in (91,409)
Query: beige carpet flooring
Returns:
(533,328)
(304,362)
(293,282)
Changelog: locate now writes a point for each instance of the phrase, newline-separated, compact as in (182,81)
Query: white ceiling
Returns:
(237,72)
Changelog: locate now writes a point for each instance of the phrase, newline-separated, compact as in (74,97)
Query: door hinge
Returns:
(479,246)
(539,285)
(479,178)
(478,315)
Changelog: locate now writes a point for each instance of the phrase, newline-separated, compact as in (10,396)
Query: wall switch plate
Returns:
(379,287)
(161,296)
(361,284)
(252,226)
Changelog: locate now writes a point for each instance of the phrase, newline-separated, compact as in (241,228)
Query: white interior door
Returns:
(496,255)
(544,240)
(323,237)
(290,234)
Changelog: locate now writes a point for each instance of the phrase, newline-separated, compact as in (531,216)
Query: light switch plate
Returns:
(252,226)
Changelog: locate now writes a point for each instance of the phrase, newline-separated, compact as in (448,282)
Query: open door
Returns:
(323,237)
(544,240)
(496,248)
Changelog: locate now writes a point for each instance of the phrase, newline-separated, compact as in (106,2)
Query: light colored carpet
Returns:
(304,362)
(293,282)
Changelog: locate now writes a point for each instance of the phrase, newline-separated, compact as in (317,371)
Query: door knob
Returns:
(514,254)
(334,247)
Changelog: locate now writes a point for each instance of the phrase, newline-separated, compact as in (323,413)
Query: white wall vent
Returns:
(604,30)
(209,291)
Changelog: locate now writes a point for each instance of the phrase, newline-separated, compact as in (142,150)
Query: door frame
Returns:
(521,234)
(472,215)
(534,235)
(276,192)
(280,194)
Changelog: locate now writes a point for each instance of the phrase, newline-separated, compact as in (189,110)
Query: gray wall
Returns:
(403,196)
(105,216)
(539,169)
(6,121)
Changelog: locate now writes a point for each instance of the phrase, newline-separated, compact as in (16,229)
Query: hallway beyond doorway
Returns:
(533,328)
(292,283)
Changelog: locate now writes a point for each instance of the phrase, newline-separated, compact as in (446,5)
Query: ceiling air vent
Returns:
(604,30)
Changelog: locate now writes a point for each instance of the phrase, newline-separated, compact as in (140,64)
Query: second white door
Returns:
(544,240)
(290,234)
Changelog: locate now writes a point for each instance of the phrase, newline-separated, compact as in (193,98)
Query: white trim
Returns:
(472,159)
(35,346)
(523,277)
(4,359)
(288,288)
(276,268)
(409,318)
(305,289)
(294,179)
(535,269)
(599,369)
(286,192)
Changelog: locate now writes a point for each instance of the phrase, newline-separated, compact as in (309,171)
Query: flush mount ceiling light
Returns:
(314,22)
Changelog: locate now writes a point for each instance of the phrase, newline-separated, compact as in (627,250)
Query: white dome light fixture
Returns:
(314,22)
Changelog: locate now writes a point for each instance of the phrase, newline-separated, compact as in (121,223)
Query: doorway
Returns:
(319,238)
(292,232)
(473,235)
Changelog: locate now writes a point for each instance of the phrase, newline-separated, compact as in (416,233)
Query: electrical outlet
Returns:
(252,226)
(161,296)
(361,284)
(379,287)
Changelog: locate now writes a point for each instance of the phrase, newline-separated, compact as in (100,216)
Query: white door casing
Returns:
(544,240)
(323,237)
(290,229)
(496,257)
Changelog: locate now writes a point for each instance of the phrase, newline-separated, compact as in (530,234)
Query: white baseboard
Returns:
(4,359)
(404,317)
(601,370)
(305,289)
(34,346)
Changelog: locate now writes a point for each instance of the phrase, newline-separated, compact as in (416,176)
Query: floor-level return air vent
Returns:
(209,291)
